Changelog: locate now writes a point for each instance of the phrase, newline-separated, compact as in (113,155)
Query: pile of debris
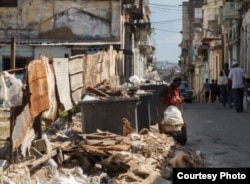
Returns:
(66,155)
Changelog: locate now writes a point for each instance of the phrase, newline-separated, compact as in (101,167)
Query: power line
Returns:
(166,21)
(163,5)
(164,30)
(166,9)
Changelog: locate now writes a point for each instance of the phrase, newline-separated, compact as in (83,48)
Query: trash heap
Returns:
(66,155)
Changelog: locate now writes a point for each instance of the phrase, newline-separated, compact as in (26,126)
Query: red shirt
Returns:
(169,93)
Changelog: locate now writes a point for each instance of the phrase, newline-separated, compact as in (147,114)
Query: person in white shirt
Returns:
(236,76)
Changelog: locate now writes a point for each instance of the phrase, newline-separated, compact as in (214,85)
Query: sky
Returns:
(166,20)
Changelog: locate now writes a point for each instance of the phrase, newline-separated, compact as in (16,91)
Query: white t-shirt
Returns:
(236,75)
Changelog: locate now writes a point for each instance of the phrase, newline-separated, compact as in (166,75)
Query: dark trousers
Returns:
(213,96)
(207,94)
(238,94)
(226,95)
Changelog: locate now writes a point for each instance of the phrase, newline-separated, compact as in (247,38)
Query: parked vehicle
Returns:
(186,92)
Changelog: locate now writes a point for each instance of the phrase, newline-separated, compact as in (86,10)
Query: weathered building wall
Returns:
(58,19)
(58,28)
(57,52)
(245,49)
(216,63)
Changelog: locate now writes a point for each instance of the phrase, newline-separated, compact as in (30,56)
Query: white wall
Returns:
(55,51)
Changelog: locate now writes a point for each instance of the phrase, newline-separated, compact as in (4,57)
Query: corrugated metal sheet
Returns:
(39,42)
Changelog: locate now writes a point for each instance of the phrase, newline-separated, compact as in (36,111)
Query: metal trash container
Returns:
(107,114)
(143,110)
(155,101)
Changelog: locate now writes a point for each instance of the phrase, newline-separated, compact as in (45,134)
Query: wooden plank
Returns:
(95,136)
(97,92)
(100,135)
(41,160)
(35,152)
(101,142)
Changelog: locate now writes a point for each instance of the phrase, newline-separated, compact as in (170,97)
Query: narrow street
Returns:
(222,135)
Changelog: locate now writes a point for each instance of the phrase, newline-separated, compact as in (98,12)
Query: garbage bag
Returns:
(11,94)
(173,120)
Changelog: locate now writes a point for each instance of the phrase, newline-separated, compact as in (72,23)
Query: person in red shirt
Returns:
(171,95)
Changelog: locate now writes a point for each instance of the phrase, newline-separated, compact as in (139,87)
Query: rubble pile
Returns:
(60,152)
(66,155)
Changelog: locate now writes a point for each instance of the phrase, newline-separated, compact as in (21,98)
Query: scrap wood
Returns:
(126,140)
(97,92)
(116,164)
(67,145)
(35,152)
(120,147)
(96,150)
(100,132)
(117,147)
(99,135)
(101,142)
(103,150)
(41,160)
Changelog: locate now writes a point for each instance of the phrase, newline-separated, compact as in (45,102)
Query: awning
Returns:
(206,40)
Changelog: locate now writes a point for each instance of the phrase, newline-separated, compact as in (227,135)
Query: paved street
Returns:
(222,135)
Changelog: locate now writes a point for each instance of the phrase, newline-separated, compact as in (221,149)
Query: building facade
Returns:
(221,37)
(66,28)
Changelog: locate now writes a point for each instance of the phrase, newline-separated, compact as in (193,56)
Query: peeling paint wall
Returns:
(62,19)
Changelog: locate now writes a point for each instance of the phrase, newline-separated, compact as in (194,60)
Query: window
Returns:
(8,3)
(21,62)
(78,52)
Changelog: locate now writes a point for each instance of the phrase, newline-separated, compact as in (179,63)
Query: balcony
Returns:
(142,33)
(146,46)
(134,8)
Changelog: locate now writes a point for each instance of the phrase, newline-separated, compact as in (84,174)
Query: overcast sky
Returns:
(166,19)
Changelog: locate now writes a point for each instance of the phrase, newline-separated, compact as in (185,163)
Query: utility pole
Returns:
(13,53)
(12,120)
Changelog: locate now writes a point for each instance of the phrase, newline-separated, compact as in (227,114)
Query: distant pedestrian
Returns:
(206,88)
(218,92)
(225,87)
(213,88)
(237,77)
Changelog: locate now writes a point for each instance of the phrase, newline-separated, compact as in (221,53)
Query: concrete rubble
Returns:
(65,154)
